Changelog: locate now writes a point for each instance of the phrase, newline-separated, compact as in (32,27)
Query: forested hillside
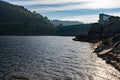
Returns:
(17,20)
(73,30)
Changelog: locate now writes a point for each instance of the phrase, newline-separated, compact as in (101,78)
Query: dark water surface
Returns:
(51,58)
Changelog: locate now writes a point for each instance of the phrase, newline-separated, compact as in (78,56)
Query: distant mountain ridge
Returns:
(65,23)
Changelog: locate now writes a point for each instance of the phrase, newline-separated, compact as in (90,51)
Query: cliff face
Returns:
(98,31)
(112,27)
(93,35)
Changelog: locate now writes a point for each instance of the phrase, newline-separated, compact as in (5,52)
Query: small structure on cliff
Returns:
(104,18)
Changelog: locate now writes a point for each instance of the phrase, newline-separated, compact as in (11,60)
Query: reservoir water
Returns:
(51,58)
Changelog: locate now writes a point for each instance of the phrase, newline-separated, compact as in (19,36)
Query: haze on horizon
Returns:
(86,11)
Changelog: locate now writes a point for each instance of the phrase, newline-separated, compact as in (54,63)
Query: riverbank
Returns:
(109,50)
(106,38)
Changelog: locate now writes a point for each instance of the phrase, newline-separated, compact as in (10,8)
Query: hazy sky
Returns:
(77,10)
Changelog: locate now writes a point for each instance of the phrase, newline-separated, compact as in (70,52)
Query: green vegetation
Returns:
(73,30)
(17,20)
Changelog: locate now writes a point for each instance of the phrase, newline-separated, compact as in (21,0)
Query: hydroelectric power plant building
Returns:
(103,18)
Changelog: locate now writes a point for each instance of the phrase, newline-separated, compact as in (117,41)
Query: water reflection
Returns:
(51,58)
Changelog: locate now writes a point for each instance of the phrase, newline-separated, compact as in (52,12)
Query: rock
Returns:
(94,33)
(111,28)
(99,48)
(109,34)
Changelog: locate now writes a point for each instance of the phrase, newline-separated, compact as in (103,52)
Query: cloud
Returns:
(35,2)
(84,18)
(80,4)
(47,7)
(87,18)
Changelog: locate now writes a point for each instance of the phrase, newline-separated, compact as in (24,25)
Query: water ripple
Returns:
(51,58)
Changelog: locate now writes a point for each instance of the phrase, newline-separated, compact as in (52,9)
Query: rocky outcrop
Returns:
(109,36)
(111,28)
(112,56)
(99,31)
(94,34)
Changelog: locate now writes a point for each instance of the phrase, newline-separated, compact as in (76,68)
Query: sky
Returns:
(86,11)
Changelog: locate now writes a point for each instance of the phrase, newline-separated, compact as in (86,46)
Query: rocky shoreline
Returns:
(107,38)
(111,54)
